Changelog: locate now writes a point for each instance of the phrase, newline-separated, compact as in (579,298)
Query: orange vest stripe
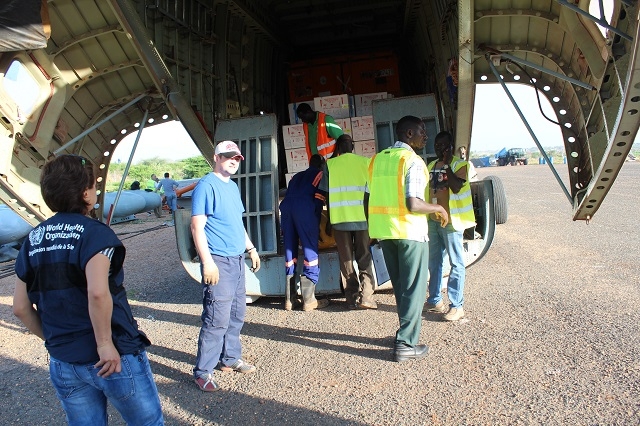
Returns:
(325,144)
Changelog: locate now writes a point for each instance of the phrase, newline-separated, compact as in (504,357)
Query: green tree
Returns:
(140,172)
(195,167)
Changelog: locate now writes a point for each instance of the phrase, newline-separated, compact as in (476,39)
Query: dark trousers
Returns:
(223,309)
(354,245)
(407,262)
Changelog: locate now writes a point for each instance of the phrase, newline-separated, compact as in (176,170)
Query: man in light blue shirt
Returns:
(169,186)
(221,241)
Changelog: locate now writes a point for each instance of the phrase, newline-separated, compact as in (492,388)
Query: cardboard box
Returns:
(293,136)
(330,102)
(362,128)
(337,106)
(365,148)
(345,125)
(287,178)
(297,160)
(363,103)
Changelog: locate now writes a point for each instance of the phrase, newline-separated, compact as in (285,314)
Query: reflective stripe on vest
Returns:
(460,204)
(348,174)
(324,143)
(389,217)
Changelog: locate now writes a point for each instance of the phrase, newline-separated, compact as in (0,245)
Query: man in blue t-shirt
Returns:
(221,242)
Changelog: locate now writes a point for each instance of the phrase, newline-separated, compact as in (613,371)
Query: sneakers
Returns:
(438,308)
(240,366)
(454,314)
(206,383)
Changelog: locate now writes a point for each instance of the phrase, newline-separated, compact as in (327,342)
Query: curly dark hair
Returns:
(408,122)
(63,182)
(344,145)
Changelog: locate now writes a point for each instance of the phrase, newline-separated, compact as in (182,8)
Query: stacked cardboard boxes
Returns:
(293,136)
(297,160)
(342,108)
(345,125)
(294,144)
(337,106)
(363,136)
(363,103)
(365,148)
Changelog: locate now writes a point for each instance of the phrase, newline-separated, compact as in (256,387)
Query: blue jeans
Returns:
(441,239)
(172,202)
(84,394)
(223,309)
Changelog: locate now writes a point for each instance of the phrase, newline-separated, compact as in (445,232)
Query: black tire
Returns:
(526,161)
(499,200)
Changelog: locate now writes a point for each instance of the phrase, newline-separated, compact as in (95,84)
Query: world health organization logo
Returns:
(35,236)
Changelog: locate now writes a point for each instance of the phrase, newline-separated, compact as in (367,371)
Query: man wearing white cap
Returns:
(221,242)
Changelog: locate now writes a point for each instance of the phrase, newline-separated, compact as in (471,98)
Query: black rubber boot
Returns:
(308,289)
(289,292)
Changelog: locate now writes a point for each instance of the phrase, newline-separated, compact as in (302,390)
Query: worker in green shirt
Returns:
(320,131)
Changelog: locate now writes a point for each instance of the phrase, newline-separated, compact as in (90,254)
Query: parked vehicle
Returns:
(512,157)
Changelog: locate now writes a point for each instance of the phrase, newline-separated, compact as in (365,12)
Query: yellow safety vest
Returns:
(389,217)
(460,204)
(348,175)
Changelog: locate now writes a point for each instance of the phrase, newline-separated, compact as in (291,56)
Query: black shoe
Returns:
(404,352)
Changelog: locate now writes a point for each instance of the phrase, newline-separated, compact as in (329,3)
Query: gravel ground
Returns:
(551,334)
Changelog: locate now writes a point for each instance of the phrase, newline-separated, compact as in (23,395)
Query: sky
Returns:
(169,141)
(496,125)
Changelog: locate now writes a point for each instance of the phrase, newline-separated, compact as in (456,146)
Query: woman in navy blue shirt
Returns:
(70,268)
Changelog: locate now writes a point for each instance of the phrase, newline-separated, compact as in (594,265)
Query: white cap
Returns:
(228,147)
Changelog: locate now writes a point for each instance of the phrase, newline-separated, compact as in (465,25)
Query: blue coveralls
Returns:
(300,219)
